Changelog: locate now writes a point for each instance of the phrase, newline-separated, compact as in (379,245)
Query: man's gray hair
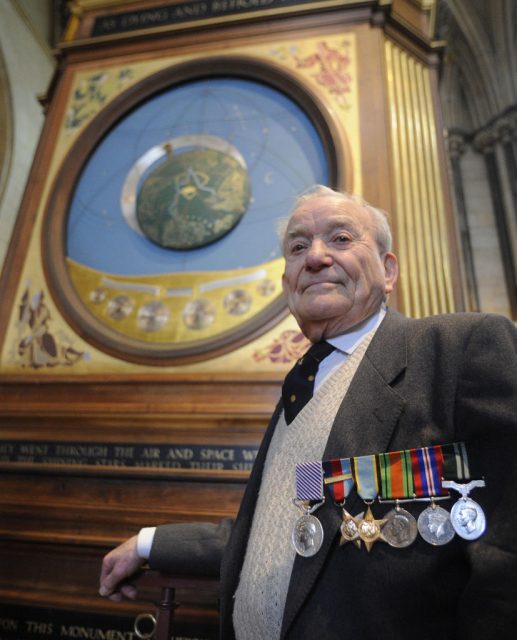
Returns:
(380,218)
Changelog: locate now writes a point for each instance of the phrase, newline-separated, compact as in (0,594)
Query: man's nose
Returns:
(318,255)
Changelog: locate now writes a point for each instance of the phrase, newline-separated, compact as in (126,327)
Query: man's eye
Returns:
(297,247)
(342,238)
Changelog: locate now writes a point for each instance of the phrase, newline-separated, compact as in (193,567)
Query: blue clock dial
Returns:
(161,227)
(236,152)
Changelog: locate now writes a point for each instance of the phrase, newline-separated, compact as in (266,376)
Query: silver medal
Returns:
(400,529)
(467,516)
(468,519)
(307,536)
(434,525)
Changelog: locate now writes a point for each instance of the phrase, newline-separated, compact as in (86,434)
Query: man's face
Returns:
(334,276)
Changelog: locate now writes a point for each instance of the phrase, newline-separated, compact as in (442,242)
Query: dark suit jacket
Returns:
(422,382)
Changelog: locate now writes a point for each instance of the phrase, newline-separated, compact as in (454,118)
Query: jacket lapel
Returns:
(364,424)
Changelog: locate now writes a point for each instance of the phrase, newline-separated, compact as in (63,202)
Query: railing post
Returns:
(165,614)
(163,620)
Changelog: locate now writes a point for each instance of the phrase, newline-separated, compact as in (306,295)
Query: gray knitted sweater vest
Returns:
(262,591)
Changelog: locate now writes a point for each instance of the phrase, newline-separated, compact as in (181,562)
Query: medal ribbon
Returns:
(364,469)
(396,475)
(427,466)
(338,478)
(399,474)
(455,462)
(309,481)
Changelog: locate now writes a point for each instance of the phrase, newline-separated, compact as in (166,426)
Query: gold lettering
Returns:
(40,628)
(190,10)
(151,452)
(92,633)
(222,6)
(219,466)
(129,21)
(144,19)
(88,451)
(182,454)
(8,624)
(217,454)
(160,464)
(108,23)
(34,449)
(242,466)
(124,452)
(55,460)
(7,448)
(151,17)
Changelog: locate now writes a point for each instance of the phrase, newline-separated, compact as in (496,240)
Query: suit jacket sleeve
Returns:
(487,417)
(190,548)
(197,548)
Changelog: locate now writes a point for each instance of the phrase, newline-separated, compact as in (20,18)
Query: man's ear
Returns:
(391,271)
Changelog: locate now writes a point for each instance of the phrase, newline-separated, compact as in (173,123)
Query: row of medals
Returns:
(398,528)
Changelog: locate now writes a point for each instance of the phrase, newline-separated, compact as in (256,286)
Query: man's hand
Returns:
(118,565)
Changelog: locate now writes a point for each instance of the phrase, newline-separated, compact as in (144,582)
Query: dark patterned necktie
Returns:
(298,385)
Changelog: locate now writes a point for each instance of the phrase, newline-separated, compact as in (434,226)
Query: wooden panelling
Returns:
(66,577)
(57,521)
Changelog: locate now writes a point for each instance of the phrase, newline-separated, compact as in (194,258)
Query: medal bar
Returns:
(411,475)
(307,534)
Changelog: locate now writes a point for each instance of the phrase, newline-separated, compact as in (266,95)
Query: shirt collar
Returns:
(348,342)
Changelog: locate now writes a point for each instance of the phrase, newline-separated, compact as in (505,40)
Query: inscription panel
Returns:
(187,12)
(182,457)
(34,623)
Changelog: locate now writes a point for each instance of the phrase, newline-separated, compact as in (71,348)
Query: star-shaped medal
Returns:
(369,529)
(350,529)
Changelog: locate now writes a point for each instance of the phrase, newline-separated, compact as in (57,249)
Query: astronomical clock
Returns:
(169,164)
(167,250)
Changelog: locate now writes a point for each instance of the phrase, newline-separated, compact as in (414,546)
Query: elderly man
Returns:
(385,384)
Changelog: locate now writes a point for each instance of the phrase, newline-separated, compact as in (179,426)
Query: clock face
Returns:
(169,236)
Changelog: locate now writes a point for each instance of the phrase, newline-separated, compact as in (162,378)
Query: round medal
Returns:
(307,536)
(468,519)
(400,529)
(434,525)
